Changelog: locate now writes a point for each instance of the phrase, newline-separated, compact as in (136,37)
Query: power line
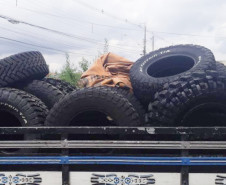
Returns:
(82,21)
(102,11)
(115,17)
(44,47)
(35,36)
(13,31)
(118,18)
(15,21)
(16,32)
(139,25)
(127,49)
(187,34)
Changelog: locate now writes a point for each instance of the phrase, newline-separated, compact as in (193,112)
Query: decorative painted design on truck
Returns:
(220,180)
(114,179)
(20,179)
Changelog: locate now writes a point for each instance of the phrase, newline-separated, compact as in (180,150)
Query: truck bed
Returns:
(121,155)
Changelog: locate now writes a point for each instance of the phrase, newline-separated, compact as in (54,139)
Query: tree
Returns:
(105,49)
(69,73)
(106,46)
(84,64)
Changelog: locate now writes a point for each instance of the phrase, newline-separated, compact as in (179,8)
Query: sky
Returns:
(80,27)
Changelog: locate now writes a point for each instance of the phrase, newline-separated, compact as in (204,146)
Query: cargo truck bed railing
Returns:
(187,140)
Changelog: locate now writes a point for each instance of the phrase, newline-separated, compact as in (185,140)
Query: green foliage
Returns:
(84,64)
(69,73)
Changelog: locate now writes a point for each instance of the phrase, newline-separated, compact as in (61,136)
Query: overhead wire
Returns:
(79,20)
(123,48)
(35,36)
(124,20)
(17,32)
(15,21)
(107,13)
(44,47)
(140,25)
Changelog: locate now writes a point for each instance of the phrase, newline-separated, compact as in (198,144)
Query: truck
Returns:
(115,156)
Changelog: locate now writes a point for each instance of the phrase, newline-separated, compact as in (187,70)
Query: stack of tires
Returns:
(181,85)
(25,94)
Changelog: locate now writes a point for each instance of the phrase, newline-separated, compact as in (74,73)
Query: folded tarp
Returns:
(108,70)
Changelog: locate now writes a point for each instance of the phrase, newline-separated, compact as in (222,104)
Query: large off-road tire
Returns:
(151,71)
(18,108)
(44,91)
(22,66)
(221,68)
(65,87)
(134,101)
(93,106)
(194,102)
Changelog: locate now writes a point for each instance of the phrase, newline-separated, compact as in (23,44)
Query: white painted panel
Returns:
(37,177)
(207,178)
(122,178)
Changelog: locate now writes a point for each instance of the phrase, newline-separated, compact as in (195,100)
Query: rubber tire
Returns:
(29,110)
(103,99)
(171,105)
(134,101)
(44,91)
(16,68)
(63,86)
(145,86)
(221,68)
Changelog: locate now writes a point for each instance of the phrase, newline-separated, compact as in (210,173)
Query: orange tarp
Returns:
(108,70)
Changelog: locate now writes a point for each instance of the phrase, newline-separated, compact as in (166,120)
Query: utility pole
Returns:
(153,42)
(16,2)
(144,51)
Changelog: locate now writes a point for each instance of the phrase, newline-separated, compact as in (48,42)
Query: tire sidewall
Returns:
(5,106)
(144,63)
(90,104)
(100,99)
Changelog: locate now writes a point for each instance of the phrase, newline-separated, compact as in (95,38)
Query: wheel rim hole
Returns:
(206,116)
(9,120)
(170,66)
(90,118)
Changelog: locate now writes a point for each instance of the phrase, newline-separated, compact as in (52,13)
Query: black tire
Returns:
(191,103)
(18,108)
(151,71)
(84,107)
(44,91)
(221,68)
(65,87)
(134,101)
(16,68)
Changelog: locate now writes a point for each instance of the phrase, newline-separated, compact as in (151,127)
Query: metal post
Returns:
(144,50)
(65,167)
(153,42)
(184,169)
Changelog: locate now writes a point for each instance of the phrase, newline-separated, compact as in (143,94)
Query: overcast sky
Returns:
(87,23)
